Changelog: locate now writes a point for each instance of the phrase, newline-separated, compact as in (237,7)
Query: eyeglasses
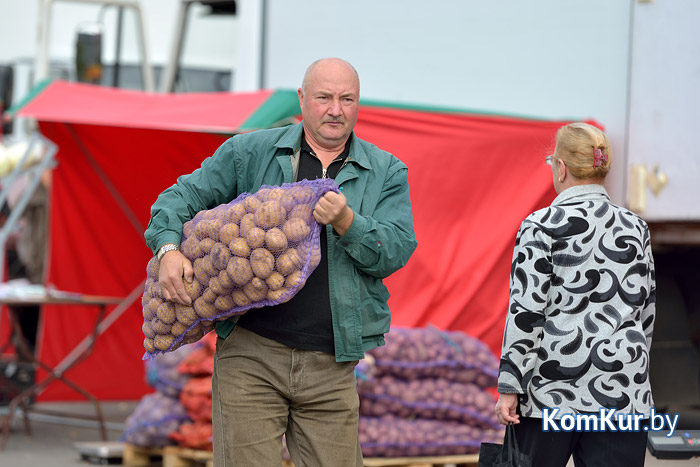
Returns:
(548,160)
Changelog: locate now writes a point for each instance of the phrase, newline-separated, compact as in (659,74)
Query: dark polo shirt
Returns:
(304,322)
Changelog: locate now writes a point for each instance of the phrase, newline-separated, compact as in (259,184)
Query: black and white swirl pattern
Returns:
(581,311)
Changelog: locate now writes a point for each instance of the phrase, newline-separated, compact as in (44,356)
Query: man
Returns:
(289,369)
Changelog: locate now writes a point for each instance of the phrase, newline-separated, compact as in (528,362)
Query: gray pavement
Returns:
(52,440)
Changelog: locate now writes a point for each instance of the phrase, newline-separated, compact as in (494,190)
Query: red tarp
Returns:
(473,178)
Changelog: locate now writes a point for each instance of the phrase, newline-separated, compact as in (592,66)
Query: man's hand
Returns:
(174,266)
(333,209)
(506,409)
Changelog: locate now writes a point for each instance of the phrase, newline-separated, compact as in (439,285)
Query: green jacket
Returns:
(380,240)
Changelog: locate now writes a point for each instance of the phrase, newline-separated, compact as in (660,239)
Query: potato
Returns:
(302,194)
(198,218)
(275,194)
(240,298)
(235,213)
(280,295)
(200,273)
(160,327)
(224,303)
(205,309)
(209,214)
(239,247)
(275,240)
(166,312)
(194,288)
(294,280)
(225,280)
(148,330)
(217,288)
(214,228)
(208,266)
(287,200)
(313,254)
(201,229)
(208,295)
(239,270)
(191,248)
(152,267)
(261,194)
(275,280)
(247,223)
(289,261)
(302,211)
(262,262)
(255,237)
(178,328)
(163,341)
(270,214)
(256,290)
(149,346)
(220,254)
(206,245)
(252,204)
(151,308)
(188,229)
(228,233)
(193,335)
(155,291)
(185,314)
(296,229)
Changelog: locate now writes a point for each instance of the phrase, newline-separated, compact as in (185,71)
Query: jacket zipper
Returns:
(324,173)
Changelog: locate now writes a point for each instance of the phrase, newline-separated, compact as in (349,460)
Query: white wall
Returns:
(544,58)
(541,58)
(665,111)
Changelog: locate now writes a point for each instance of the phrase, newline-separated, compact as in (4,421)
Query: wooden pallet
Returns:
(467,460)
(134,456)
(174,456)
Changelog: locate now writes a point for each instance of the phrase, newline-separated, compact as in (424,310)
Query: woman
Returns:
(580,319)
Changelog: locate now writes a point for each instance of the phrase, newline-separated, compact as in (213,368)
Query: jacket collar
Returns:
(291,139)
(591,191)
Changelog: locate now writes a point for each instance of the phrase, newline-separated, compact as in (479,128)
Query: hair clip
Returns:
(599,158)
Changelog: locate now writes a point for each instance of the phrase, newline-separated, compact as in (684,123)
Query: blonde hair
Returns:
(576,146)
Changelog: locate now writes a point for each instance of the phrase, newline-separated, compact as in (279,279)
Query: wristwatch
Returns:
(166,248)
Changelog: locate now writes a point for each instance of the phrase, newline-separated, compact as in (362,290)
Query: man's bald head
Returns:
(324,64)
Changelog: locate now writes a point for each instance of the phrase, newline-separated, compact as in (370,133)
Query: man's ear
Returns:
(300,93)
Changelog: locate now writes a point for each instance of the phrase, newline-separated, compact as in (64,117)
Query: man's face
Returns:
(329,104)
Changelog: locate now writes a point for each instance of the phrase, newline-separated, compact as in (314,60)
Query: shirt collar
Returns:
(306,148)
(589,191)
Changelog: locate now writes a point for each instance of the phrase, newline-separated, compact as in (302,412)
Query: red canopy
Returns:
(473,178)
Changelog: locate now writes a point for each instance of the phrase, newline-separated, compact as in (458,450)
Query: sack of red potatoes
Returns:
(258,250)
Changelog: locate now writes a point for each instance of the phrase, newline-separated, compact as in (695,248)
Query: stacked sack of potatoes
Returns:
(196,397)
(160,413)
(427,395)
(258,250)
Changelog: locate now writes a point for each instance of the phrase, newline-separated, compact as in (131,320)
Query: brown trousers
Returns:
(262,390)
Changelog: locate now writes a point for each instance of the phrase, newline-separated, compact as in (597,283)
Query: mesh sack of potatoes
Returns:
(258,250)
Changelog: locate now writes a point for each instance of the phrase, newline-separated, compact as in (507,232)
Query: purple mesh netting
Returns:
(258,250)
(156,416)
(429,352)
(391,436)
(429,398)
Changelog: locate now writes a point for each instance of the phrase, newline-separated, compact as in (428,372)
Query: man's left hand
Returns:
(333,209)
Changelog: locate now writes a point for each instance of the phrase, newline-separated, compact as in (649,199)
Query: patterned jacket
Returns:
(581,310)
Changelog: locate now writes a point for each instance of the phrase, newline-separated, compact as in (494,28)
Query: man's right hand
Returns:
(174,266)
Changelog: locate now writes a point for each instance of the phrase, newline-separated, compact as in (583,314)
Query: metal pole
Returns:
(170,72)
(118,50)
